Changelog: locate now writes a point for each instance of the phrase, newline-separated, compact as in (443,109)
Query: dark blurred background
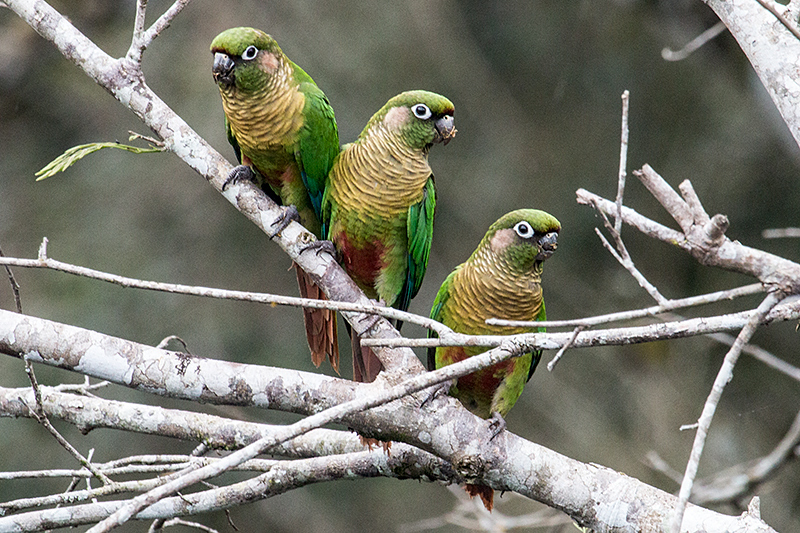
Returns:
(537,90)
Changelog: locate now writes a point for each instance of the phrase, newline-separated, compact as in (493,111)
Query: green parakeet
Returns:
(284,133)
(502,279)
(379,203)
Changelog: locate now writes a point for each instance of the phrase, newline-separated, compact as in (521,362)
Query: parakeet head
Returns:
(524,238)
(244,58)
(419,118)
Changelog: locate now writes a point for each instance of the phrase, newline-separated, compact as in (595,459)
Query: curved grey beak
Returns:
(547,245)
(445,129)
(223,69)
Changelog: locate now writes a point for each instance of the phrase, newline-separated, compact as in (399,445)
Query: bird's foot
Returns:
(442,389)
(319,246)
(497,424)
(288,214)
(239,173)
(368,321)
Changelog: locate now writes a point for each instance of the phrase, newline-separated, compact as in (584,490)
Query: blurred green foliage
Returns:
(537,90)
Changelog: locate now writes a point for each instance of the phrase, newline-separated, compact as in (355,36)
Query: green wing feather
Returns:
(318,143)
(232,140)
(420,236)
(438,303)
(537,354)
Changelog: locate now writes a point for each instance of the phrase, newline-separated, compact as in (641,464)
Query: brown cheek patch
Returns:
(502,240)
(396,117)
(269,62)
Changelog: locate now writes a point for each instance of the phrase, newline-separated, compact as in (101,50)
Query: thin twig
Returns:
(724,375)
(124,487)
(38,413)
(163,22)
(606,337)
(669,55)
(14,285)
(138,23)
(556,358)
(185,523)
(669,305)
(737,482)
(388,312)
(143,38)
(623,257)
(166,340)
(623,161)
(780,233)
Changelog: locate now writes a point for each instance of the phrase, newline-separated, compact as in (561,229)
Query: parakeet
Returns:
(502,279)
(378,207)
(282,128)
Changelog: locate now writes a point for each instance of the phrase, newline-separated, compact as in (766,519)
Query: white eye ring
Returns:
(524,230)
(421,111)
(250,53)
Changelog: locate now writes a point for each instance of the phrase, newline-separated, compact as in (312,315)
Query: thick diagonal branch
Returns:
(125,81)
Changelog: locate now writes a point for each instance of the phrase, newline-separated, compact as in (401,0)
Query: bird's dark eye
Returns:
(250,53)
(421,111)
(524,230)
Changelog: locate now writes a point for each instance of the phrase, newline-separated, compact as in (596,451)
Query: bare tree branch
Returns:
(89,413)
(773,52)
(733,484)
(706,243)
(653,311)
(372,307)
(281,477)
(606,500)
(679,329)
(724,375)
(623,161)
(505,463)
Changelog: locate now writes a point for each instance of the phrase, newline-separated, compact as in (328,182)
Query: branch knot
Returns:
(471,467)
